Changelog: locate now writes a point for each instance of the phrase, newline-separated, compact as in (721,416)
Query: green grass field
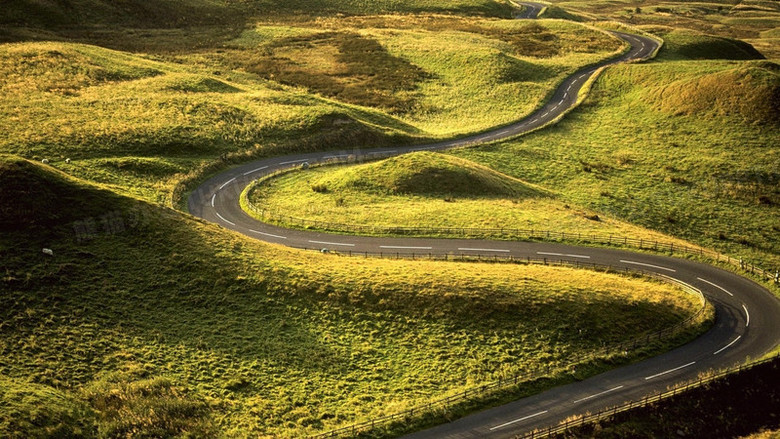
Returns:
(687,149)
(429,190)
(148,322)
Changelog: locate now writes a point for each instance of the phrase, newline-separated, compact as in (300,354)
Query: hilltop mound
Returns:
(425,173)
(38,197)
(750,91)
(689,45)
(64,68)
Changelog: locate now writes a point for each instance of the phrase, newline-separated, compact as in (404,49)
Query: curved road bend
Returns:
(747,323)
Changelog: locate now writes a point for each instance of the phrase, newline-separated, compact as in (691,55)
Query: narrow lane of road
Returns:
(747,323)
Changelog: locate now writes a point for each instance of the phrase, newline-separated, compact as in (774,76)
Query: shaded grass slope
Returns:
(148,322)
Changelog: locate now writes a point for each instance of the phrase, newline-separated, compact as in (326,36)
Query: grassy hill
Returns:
(686,148)
(422,173)
(690,45)
(427,190)
(148,321)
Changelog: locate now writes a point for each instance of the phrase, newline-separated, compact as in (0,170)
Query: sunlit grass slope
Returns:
(685,148)
(141,124)
(148,322)
(428,190)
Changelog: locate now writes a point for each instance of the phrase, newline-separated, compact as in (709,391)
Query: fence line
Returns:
(269,216)
(610,412)
(507,382)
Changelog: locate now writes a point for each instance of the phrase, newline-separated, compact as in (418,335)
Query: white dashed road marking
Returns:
(405,247)
(483,250)
(716,286)
(223,219)
(517,420)
(267,234)
(648,265)
(727,346)
(670,370)
(563,254)
(255,170)
(227,183)
(293,161)
(598,394)
(747,315)
(332,243)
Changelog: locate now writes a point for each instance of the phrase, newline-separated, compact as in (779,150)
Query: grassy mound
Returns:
(689,45)
(64,69)
(560,13)
(150,322)
(750,91)
(425,189)
(28,409)
(115,405)
(163,13)
(424,173)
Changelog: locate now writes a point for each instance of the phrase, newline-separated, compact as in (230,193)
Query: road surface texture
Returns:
(746,326)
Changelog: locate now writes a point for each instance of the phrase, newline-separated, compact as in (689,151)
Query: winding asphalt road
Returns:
(747,315)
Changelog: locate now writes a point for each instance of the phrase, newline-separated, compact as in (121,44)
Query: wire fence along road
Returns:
(502,383)
(495,233)
(640,403)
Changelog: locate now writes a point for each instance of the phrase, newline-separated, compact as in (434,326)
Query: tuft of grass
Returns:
(159,324)
(29,410)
